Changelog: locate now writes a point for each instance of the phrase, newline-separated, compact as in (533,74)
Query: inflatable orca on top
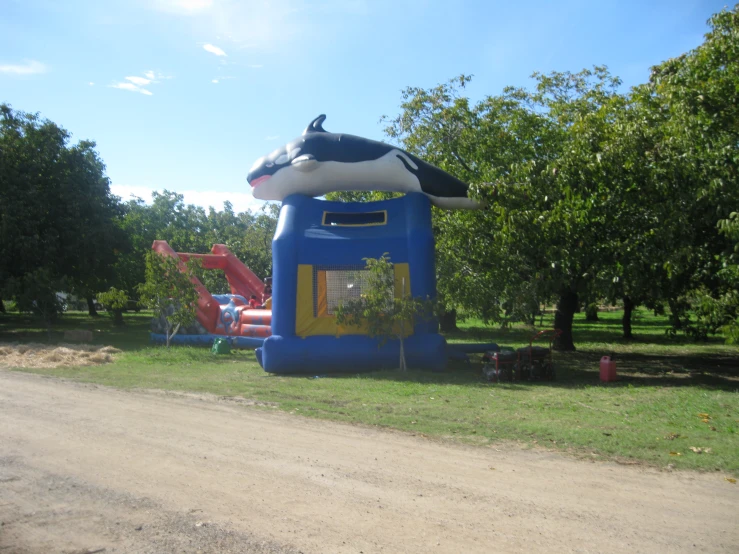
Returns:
(319,162)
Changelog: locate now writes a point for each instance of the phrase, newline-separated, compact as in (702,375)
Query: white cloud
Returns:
(134,83)
(91,84)
(242,201)
(214,81)
(30,67)
(132,88)
(256,66)
(213,50)
(139,81)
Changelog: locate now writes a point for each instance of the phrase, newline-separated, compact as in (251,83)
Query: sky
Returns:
(185,95)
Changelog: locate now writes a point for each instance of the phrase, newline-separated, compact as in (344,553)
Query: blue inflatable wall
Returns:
(316,238)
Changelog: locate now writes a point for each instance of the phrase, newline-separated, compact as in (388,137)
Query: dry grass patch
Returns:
(35,355)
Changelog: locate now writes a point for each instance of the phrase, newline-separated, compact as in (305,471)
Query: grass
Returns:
(672,394)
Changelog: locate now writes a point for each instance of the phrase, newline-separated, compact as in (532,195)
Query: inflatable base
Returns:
(207,340)
(349,353)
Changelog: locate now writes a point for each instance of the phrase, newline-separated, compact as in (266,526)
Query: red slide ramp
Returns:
(241,279)
(208,310)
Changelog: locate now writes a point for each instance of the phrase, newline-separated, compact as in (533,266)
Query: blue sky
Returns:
(186,94)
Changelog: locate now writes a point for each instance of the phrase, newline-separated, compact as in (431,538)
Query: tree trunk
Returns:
(566,307)
(591,312)
(91,307)
(118,318)
(675,313)
(626,320)
(174,332)
(2,307)
(448,321)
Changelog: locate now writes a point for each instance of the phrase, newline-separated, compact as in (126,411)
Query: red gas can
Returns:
(607,369)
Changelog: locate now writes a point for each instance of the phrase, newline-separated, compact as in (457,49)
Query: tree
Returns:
(35,292)
(534,158)
(188,228)
(588,188)
(385,314)
(115,301)
(169,290)
(56,210)
(695,160)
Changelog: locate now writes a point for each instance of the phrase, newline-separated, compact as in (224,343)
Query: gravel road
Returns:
(89,469)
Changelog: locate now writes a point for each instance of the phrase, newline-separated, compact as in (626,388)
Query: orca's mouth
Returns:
(259,180)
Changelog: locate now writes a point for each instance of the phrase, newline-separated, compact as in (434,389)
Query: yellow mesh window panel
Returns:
(317,301)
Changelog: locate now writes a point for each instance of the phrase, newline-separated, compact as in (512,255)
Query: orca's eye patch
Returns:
(282,159)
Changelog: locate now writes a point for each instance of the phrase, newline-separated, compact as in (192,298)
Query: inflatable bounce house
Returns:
(318,253)
(319,246)
(318,256)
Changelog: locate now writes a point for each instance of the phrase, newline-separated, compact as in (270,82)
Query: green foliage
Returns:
(591,192)
(57,215)
(189,228)
(169,290)
(115,301)
(35,293)
(385,315)
(534,158)
(717,310)
(693,159)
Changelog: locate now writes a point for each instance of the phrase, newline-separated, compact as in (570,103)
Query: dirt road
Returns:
(88,469)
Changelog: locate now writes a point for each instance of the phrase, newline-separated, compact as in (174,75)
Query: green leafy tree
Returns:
(533,157)
(717,309)
(169,291)
(35,293)
(168,218)
(188,228)
(115,301)
(386,315)
(56,210)
(694,160)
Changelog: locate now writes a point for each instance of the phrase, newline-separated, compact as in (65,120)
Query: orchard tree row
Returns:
(61,229)
(593,193)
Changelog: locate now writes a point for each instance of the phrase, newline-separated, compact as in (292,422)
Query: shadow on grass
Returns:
(582,333)
(580,369)
(25,328)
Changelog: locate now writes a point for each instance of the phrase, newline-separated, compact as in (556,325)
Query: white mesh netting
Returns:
(343,285)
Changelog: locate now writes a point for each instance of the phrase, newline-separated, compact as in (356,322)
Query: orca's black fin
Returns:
(316,126)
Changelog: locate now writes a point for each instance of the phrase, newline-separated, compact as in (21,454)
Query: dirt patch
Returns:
(36,355)
(86,468)
(208,397)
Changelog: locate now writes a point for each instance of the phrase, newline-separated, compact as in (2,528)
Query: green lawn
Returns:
(672,394)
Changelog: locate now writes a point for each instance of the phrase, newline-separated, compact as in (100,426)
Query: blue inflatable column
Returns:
(284,279)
